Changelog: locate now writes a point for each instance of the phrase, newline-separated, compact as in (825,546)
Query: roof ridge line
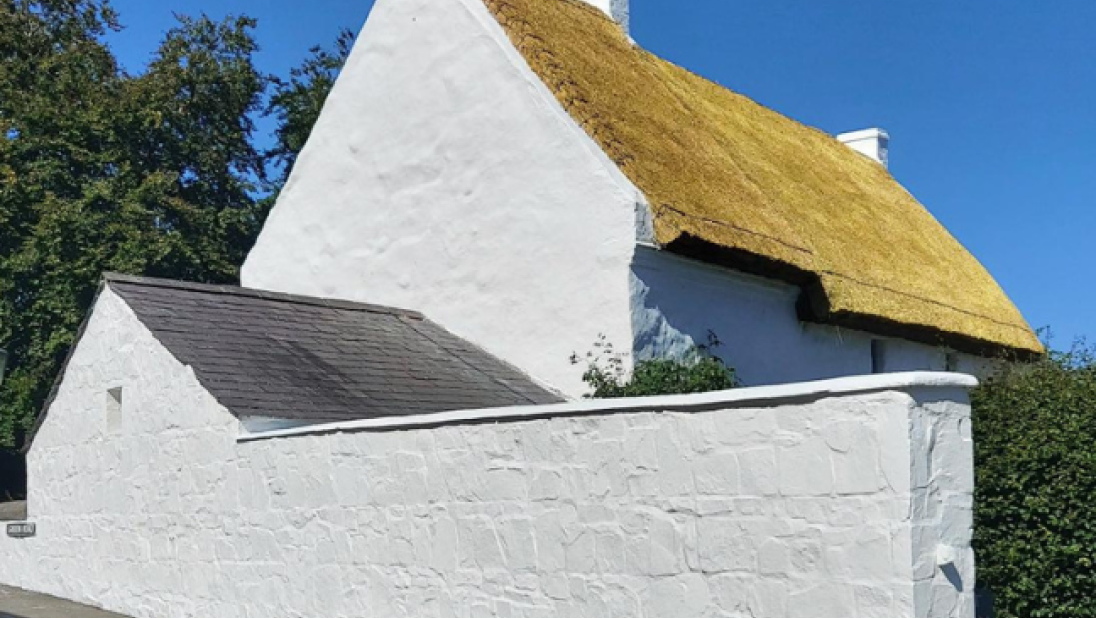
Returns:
(240,291)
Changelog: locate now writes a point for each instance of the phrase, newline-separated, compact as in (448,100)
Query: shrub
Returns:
(699,371)
(1035,491)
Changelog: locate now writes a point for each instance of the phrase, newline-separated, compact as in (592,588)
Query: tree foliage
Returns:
(297,102)
(698,371)
(1035,456)
(155,173)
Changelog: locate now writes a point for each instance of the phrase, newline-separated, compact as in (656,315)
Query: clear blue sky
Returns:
(991,106)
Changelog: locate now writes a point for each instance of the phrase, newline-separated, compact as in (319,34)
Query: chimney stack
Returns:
(872,143)
(617,9)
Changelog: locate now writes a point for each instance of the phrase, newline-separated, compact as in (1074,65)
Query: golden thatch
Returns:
(731,181)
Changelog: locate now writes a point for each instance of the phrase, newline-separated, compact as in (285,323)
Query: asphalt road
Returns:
(16,603)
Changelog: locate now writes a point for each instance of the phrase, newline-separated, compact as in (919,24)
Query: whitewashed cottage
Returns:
(530,179)
(522,172)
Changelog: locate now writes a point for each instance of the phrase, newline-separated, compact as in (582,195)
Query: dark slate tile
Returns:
(301,358)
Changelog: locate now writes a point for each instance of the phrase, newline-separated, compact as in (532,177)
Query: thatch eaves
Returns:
(733,182)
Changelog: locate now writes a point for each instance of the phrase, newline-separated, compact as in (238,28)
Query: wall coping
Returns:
(736,398)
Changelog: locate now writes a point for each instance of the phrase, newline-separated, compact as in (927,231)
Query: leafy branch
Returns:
(697,371)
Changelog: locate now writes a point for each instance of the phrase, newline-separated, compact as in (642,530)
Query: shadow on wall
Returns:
(676,302)
(13,477)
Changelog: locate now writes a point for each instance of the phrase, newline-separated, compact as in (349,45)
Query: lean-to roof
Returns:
(266,354)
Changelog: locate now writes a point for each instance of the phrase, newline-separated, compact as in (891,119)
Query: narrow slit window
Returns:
(114,408)
(951,362)
(878,356)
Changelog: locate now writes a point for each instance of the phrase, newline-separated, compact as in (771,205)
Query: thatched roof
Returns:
(732,182)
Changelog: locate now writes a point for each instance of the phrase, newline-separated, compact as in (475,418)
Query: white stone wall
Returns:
(129,504)
(942,505)
(676,302)
(443,176)
(824,500)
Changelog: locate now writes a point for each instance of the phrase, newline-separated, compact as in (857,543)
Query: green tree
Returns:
(188,121)
(1035,466)
(54,74)
(297,102)
(152,173)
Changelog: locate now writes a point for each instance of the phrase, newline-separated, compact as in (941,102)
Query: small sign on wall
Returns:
(22,530)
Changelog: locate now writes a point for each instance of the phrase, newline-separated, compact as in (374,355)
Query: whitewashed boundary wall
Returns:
(832,499)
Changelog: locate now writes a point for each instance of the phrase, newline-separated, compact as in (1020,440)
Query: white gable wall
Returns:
(444,177)
(123,496)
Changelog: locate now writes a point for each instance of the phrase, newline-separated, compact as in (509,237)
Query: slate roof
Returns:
(272,355)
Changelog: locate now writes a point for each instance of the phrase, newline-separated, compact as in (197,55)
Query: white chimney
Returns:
(617,9)
(872,143)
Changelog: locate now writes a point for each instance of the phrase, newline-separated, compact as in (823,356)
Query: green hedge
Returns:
(1035,491)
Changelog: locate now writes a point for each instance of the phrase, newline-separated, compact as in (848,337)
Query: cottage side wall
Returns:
(129,498)
(807,502)
(676,302)
(444,177)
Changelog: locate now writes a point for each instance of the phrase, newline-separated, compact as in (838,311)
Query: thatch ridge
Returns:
(781,199)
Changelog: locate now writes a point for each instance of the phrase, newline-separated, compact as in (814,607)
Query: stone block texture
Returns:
(817,507)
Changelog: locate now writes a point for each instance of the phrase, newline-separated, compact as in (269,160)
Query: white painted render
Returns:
(872,143)
(827,500)
(124,502)
(676,302)
(758,396)
(444,176)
